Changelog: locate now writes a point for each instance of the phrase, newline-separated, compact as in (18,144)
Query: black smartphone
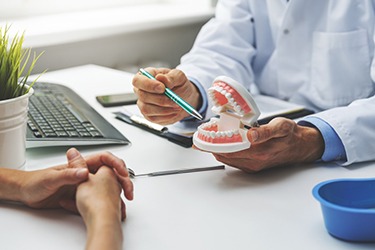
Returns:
(117,99)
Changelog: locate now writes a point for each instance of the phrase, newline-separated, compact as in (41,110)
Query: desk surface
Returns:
(224,209)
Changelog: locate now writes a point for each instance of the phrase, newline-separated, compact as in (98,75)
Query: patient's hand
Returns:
(55,187)
(99,203)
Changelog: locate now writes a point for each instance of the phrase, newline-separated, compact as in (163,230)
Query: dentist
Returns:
(319,54)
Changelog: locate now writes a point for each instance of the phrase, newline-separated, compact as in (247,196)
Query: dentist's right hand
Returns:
(154,104)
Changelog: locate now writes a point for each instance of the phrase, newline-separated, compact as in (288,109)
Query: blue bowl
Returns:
(348,207)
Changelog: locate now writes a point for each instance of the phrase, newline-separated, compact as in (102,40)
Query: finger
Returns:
(127,186)
(278,127)
(62,166)
(94,162)
(75,159)
(68,176)
(154,71)
(158,103)
(166,119)
(243,164)
(142,82)
(173,79)
(235,155)
(225,160)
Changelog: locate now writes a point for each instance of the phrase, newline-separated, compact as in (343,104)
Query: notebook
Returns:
(181,133)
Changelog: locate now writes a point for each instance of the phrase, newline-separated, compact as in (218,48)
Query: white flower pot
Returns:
(13,120)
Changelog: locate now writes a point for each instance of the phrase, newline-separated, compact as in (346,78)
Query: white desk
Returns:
(225,209)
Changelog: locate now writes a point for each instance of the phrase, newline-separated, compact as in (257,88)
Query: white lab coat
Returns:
(318,53)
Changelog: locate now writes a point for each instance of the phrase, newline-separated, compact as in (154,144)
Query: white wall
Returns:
(164,44)
(113,37)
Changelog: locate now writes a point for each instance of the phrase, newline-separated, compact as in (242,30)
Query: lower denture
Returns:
(219,139)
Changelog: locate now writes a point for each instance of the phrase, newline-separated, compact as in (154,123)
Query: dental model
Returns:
(236,108)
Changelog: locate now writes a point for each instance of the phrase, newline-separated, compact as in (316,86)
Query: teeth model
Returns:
(236,108)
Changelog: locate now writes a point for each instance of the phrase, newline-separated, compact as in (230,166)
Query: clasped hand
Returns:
(59,186)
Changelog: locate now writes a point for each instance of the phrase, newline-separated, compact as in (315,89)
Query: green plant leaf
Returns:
(16,65)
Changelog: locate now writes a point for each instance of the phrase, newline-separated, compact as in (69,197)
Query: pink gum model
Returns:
(236,108)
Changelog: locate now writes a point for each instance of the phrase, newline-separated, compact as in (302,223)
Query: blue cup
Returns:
(348,207)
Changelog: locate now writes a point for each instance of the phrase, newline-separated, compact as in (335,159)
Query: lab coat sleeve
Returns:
(334,149)
(224,46)
(355,125)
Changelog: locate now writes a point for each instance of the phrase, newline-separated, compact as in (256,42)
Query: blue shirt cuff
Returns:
(334,149)
(203,108)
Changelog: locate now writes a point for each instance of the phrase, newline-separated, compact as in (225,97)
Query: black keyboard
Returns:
(59,117)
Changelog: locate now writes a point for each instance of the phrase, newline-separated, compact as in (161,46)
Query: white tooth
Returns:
(236,132)
(237,108)
(223,92)
(229,133)
(231,100)
(200,130)
(203,132)
(228,95)
(218,89)
(212,134)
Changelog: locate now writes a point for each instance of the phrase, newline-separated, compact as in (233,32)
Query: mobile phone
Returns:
(117,99)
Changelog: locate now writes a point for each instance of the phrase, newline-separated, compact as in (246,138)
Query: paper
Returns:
(270,106)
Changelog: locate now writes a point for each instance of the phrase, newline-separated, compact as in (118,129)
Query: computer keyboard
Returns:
(60,117)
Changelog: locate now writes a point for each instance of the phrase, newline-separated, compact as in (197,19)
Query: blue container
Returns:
(348,207)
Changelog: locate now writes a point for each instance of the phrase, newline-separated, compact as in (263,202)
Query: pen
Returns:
(174,97)
(177,171)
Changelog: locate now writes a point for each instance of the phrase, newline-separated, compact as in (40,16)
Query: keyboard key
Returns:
(52,115)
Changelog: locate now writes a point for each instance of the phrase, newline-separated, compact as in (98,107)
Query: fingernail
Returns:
(72,153)
(81,173)
(254,135)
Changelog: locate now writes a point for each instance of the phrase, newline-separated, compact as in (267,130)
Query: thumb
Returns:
(277,128)
(67,176)
(258,135)
(75,159)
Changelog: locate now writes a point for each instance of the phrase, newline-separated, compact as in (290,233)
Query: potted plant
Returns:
(15,68)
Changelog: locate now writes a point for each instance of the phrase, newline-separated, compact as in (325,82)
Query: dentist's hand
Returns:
(157,107)
(279,143)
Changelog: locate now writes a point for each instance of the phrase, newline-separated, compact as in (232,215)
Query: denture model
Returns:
(236,108)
